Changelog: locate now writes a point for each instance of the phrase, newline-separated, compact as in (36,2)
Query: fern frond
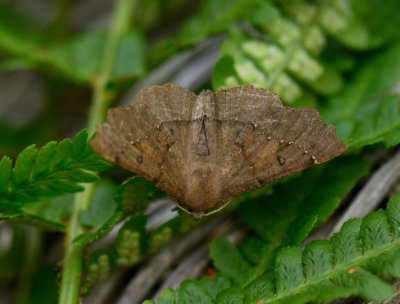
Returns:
(52,170)
(350,263)
(286,216)
(286,61)
(286,56)
(133,243)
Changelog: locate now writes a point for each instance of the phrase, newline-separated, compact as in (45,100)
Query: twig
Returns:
(162,212)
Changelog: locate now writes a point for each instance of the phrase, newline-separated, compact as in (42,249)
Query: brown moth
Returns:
(205,150)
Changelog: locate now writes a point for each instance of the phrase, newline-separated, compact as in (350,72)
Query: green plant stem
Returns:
(100,103)
(73,255)
(74,252)
(33,245)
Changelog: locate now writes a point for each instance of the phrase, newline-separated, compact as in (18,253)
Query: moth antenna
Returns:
(218,209)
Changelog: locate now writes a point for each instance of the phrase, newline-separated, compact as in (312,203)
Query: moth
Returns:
(205,150)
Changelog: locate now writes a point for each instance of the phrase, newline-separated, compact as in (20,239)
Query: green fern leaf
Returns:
(367,285)
(393,213)
(224,73)
(131,241)
(63,152)
(233,295)
(169,296)
(163,234)
(286,63)
(42,161)
(288,270)
(49,214)
(102,214)
(23,166)
(228,260)
(130,246)
(101,207)
(79,145)
(50,171)
(349,264)
(99,232)
(261,288)
(317,259)
(345,244)
(99,266)
(286,216)
(193,292)
(374,231)
(214,285)
(366,112)
(131,197)
(135,194)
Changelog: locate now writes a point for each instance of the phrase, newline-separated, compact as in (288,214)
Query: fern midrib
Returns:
(335,271)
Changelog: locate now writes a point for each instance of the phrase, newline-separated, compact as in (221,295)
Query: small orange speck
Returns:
(260,302)
(352,270)
(210,273)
